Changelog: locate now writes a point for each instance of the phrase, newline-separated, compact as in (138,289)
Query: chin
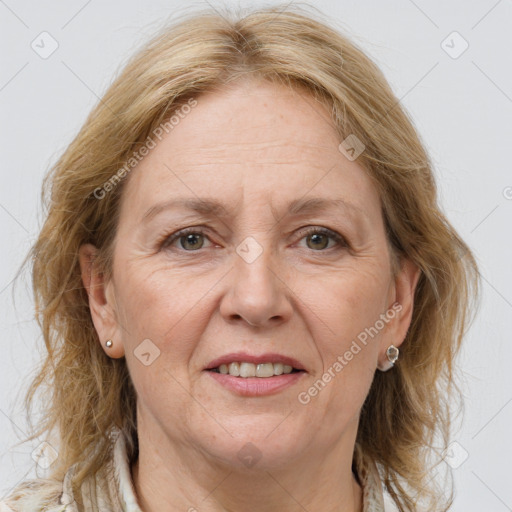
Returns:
(257,443)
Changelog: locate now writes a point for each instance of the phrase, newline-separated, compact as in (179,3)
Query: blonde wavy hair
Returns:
(87,394)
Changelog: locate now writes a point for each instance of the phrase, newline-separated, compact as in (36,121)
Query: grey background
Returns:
(461,106)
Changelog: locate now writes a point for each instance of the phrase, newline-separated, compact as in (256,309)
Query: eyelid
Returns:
(311,230)
(168,239)
(341,241)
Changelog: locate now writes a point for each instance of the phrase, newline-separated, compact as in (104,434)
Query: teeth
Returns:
(262,370)
(278,368)
(265,370)
(247,370)
(234,369)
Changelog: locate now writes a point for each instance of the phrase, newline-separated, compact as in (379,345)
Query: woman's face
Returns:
(285,260)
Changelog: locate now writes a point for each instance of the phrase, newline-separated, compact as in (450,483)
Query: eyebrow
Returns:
(214,208)
(317,204)
(204,206)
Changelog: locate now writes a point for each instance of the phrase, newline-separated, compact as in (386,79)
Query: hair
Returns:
(88,393)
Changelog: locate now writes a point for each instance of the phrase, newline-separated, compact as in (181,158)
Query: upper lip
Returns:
(268,357)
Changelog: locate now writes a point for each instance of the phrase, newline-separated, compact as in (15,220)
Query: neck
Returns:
(170,476)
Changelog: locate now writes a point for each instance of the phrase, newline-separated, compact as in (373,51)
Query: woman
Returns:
(249,295)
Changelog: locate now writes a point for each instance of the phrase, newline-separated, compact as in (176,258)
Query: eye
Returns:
(318,238)
(190,239)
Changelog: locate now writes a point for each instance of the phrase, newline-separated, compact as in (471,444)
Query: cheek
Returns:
(170,311)
(342,317)
(346,303)
(163,305)
(151,300)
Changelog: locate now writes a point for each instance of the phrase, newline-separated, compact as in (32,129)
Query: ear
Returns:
(101,302)
(400,305)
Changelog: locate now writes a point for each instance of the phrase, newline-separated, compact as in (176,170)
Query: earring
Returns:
(109,343)
(392,355)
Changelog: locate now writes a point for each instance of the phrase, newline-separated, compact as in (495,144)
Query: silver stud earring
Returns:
(109,343)
(392,355)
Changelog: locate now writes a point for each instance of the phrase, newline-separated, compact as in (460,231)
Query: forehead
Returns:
(251,139)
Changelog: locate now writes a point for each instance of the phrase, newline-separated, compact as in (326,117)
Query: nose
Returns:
(258,292)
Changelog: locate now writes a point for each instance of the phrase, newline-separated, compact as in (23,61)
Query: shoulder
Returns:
(98,491)
(389,504)
(36,495)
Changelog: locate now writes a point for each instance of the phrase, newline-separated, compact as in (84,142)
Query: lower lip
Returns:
(256,386)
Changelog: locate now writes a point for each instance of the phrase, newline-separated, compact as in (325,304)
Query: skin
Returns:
(255,147)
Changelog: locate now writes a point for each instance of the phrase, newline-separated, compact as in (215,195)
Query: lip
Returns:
(244,357)
(256,386)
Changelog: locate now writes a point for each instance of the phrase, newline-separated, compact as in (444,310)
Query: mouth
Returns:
(247,379)
(263,366)
(246,370)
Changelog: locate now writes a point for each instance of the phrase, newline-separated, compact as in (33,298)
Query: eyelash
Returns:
(167,240)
